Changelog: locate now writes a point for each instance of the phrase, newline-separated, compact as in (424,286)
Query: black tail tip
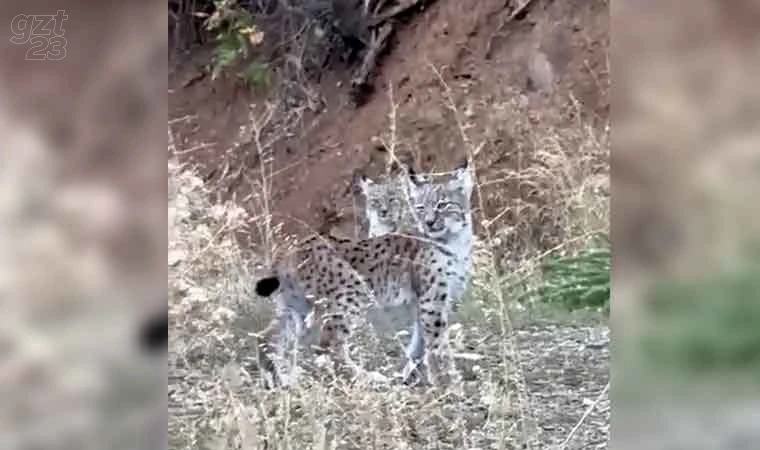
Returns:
(266,286)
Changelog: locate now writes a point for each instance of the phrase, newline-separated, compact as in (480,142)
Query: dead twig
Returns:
(383,25)
(397,11)
(520,9)
(589,410)
(379,6)
(360,82)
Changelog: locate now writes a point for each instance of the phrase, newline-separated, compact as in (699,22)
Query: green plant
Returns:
(707,324)
(256,74)
(578,281)
(236,36)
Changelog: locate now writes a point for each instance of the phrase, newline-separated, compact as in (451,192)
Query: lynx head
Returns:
(443,208)
(384,204)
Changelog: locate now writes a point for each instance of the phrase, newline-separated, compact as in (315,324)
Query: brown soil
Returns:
(482,53)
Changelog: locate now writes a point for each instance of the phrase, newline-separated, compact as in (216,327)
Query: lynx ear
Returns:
(362,182)
(463,177)
(413,176)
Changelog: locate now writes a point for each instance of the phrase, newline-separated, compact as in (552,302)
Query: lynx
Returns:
(391,207)
(341,278)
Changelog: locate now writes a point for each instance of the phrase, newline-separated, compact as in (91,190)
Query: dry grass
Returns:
(527,383)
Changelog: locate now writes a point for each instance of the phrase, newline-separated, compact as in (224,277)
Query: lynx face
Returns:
(384,205)
(388,205)
(443,209)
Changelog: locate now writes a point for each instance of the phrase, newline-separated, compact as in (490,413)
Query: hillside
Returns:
(523,86)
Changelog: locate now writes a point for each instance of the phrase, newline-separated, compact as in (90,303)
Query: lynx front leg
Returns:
(433,323)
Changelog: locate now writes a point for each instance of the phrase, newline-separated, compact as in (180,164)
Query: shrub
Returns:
(578,281)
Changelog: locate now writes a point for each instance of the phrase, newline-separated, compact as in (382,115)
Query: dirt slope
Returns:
(498,67)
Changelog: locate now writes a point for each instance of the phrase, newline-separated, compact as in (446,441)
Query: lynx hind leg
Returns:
(282,336)
(276,346)
(341,313)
